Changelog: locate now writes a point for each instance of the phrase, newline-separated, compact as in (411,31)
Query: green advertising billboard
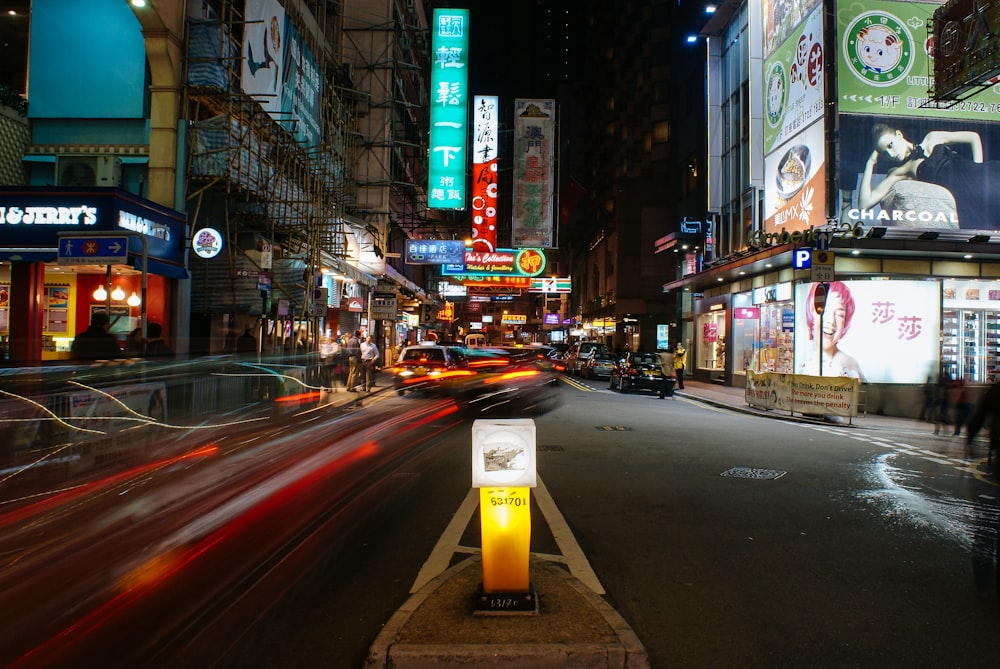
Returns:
(886,63)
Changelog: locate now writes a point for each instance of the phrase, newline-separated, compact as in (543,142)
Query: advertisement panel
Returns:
(301,88)
(534,142)
(781,18)
(875,331)
(484,172)
(919,173)
(264,53)
(794,82)
(795,183)
(887,63)
(449,109)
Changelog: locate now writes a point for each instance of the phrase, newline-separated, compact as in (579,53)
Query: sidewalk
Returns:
(733,398)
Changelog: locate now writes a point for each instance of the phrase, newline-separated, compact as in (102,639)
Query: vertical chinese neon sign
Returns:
(534,140)
(449,109)
(484,173)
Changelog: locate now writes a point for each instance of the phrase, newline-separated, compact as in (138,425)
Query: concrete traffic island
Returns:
(573,627)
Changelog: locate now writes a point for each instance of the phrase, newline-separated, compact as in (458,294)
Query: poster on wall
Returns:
(875,331)
(886,63)
(926,173)
(264,53)
(795,183)
(781,18)
(793,80)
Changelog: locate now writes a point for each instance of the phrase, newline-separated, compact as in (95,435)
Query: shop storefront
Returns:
(763,331)
(709,347)
(61,258)
(970,330)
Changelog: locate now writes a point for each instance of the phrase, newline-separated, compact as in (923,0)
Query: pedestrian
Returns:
(96,342)
(680,363)
(369,359)
(246,343)
(668,373)
(943,413)
(353,361)
(133,343)
(958,399)
(929,407)
(987,409)
(155,346)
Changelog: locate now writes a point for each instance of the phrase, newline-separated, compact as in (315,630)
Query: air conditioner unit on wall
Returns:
(88,171)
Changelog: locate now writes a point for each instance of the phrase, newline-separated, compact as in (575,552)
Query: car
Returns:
(579,352)
(427,366)
(598,366)
(636,371)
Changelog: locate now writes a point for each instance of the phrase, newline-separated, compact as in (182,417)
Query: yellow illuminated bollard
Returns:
(503,468)
(506,536)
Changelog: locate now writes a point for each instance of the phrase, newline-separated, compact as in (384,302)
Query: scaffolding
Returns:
(278,192)
(386,48)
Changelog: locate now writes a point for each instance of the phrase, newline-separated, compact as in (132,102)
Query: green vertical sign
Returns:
(449,109)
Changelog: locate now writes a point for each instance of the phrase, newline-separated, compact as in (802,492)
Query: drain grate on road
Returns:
(753,473)
(613,428)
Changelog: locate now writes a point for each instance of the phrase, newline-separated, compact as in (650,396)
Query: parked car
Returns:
(598,366)
(579,352)
(636,371)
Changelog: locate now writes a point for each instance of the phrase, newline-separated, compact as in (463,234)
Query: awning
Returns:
(352,272)
(162,268)
(394,274)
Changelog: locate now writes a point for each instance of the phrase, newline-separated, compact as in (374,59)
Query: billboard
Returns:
(794,82)
(919,172)
(876,331)
(264,53)
(795,183)
(781,18)
(449,109)
(534,183)
(967,48)
(280,72)
(485,139)
(887,63)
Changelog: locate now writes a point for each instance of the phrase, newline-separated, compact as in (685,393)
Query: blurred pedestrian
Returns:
(133,343)
(680,363)
(943,414)
(369,360)
(246,343)
(155,346)
(987,409)
(958,400)
(668,373)
(353,361)
(96,342)
(927,411)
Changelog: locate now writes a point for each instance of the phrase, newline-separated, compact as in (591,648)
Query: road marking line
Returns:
(577,562)
(447,544)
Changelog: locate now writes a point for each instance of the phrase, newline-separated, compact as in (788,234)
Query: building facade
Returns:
(826,162)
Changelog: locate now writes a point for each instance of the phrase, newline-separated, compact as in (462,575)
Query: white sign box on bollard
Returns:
(503,453)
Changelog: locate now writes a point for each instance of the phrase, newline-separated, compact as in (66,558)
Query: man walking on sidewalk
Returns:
(369,358)
(353,361)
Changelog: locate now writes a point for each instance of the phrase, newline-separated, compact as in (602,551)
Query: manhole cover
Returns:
(614,428)
(753,473)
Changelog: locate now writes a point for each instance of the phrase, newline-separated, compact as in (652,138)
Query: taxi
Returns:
(426,366)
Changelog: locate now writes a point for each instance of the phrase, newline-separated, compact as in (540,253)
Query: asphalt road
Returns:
(723,539)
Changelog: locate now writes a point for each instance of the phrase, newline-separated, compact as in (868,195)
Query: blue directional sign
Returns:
(96,249)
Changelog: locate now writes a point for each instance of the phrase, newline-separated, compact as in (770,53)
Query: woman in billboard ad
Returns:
(920,173)
(876,331)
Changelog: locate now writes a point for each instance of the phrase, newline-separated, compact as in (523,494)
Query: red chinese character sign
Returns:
(484,173)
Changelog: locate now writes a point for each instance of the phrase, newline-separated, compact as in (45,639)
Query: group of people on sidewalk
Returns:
(672,364)
(948,404)
(363,359)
